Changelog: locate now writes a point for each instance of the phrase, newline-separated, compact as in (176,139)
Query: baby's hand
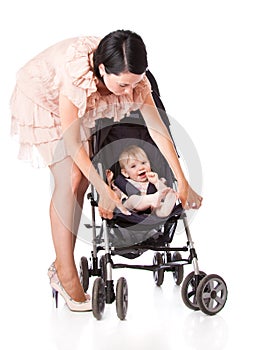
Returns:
(116,190)
(152,177)
(109,176)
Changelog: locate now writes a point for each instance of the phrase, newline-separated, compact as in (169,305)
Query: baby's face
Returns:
(136,169)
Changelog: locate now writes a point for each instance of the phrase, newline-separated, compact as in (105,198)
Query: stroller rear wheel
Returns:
(84,273)
(159,273)
(178,273)
(211,294)
(98,298)
(121,298)
(189,289)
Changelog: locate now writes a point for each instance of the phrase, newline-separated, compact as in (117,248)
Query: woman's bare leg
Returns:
(79,206)
(67,179)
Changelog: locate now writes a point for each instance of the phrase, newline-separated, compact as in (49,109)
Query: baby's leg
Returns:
(143,202)
(168,204)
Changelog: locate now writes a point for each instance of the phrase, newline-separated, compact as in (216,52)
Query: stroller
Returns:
(131,236)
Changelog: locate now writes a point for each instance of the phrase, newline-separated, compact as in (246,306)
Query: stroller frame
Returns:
(199,291)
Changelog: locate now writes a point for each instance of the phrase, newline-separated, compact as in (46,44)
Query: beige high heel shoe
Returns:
(58,288)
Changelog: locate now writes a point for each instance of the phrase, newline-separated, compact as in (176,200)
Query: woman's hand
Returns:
(108,201)
(189,198)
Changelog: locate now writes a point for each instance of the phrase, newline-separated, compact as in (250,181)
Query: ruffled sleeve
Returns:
(78,80)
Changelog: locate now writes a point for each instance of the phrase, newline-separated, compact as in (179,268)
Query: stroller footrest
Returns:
(153,267)
(150,247)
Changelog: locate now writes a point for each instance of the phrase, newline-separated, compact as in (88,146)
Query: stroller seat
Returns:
(141,227)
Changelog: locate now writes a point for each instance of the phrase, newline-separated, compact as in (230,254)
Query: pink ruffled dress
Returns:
(64,68)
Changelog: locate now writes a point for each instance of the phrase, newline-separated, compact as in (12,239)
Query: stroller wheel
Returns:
(158,274)
(121,298)
(102,264)
(98,298)
(189,288)
(84,273)
(211,294)
(178,273)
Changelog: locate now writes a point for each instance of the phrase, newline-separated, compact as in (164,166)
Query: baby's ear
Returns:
(124,172)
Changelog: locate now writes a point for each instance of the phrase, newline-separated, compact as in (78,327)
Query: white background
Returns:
(201,54)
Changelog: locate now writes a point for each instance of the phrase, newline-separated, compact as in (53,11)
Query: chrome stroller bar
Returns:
(193,254)
(110,295)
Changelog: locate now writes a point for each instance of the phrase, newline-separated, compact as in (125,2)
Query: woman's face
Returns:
(122,84)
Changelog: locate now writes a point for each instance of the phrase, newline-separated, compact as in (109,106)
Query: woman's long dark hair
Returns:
(121,51)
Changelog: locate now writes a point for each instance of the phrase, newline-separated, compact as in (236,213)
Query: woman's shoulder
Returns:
(65,52)
(79,60)
(82,46)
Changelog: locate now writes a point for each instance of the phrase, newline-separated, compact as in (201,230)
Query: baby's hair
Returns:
(131,152)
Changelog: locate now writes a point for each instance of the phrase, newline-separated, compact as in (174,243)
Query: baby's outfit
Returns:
(141,186)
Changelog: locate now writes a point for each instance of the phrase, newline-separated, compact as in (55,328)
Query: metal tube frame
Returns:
(193,254)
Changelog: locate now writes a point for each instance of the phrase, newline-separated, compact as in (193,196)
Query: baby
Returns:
(135,166)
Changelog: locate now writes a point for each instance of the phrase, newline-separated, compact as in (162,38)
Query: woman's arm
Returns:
(71,135)
(159,133)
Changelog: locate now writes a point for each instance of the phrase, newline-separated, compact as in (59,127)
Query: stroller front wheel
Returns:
(98,298)
(121,298)
(102,264)
(189,289)
(211,294)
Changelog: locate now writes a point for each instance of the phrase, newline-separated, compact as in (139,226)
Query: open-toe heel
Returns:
(58,288)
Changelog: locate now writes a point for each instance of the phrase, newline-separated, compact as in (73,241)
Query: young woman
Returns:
(58,96)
